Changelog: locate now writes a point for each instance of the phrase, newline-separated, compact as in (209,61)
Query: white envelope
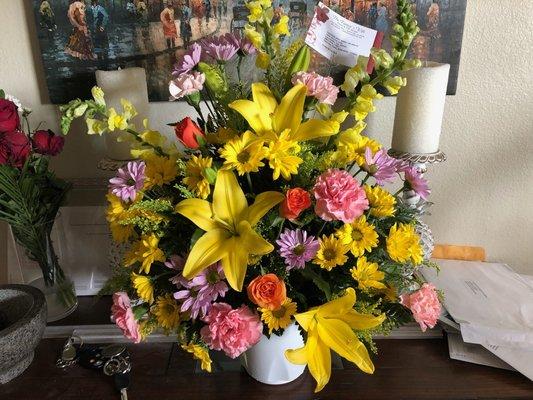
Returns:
(492,303)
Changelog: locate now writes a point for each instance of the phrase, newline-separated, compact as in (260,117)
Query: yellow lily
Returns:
(330,326)
(228,224)
(266,117)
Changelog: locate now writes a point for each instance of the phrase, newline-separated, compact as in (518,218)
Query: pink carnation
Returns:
(339,196)
(424,304)
(186,84)
(124,318)
(229,330)
(318,86)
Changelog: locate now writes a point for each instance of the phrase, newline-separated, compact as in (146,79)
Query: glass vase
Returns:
(38,250)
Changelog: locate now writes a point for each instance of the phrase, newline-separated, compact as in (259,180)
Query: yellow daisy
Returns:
(367,274)
(280,318)
(403,244)
(282,156)
(120,233)
(195,177)
(146,251)
(143,286)
(332,252)
(159,170)
(381,202)
(200,353)
(147,327)
(244,154)
(221,136)
(360,236)
(116,211)
(166,310)
(351,144)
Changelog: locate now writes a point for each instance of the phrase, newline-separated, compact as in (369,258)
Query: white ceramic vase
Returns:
(266,362)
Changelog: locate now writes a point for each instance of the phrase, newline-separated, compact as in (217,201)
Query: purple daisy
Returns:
(416,182)
(201,291)
(219,48)
(128,181)
(188,60)
(381,166)
(297,248)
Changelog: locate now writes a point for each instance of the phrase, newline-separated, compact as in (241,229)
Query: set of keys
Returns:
(113,360)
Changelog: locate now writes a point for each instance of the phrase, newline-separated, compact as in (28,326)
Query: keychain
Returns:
(114,360)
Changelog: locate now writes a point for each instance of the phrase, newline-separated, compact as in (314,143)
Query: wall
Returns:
(482,194)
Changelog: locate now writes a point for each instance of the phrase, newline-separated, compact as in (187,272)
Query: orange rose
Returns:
(296,200)
(267,291)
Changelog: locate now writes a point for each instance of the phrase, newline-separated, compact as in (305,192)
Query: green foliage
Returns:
(119,282)
(316,277)
(29,202)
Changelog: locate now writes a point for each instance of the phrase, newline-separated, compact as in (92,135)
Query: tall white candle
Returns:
(129,84)
(419,109)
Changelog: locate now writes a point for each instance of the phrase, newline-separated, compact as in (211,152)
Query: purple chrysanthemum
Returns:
(201,291)
(416,182)
(129,181)
(242,43)
(188,60)
(297,248)
(176,263)
(219,48)
(381,166)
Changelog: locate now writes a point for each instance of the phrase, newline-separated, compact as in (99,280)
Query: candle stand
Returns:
(413,200)
(419,161)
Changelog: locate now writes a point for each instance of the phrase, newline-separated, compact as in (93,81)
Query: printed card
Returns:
(338,39)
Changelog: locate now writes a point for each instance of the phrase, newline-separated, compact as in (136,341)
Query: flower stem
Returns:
(138,137)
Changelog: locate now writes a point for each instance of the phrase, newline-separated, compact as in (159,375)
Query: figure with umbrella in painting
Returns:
(99,29)
(79,43)
(48,19)
(169,24)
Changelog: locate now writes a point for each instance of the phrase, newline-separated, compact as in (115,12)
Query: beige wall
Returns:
(483,194)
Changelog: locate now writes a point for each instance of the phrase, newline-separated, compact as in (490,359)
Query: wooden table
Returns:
(405,369)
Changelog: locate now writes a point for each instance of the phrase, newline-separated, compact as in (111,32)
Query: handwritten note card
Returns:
(337,38)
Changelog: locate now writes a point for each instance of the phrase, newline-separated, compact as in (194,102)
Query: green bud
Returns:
(213,78)
(300,62)
(211,175)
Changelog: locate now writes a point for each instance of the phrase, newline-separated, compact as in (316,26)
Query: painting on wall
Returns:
(78,37)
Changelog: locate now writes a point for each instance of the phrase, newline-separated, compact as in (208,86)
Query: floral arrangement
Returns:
(269,213)
(30,194)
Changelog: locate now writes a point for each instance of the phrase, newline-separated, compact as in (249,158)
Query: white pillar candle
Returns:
(419,109)
(129,84)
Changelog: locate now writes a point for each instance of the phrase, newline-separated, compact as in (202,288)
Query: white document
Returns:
(473,353)
(337,38)
(492,304)
(519,359)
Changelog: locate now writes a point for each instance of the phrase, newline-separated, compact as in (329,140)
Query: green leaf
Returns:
(139,311)
(317,279)
(2,94)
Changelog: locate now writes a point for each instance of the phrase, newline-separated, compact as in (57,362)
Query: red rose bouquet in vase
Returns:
(272,228)
(30,197)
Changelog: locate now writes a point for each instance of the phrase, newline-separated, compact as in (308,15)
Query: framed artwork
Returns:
(77,37)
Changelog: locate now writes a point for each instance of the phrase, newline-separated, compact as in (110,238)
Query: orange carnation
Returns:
(267,291)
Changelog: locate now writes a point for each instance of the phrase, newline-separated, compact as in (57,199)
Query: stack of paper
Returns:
(492,306)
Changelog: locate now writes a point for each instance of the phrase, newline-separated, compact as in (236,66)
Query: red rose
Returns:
(296,200)
(188,133)
(47,143)
(9,116)
(14,148)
